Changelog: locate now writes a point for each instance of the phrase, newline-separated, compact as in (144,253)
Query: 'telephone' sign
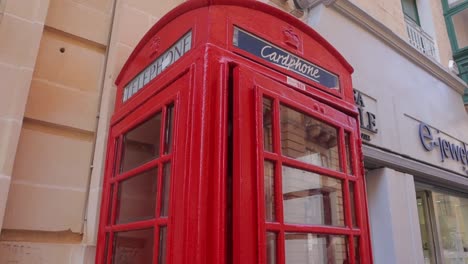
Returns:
(168,58)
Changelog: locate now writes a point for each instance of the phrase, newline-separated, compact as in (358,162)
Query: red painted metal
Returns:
(217,212)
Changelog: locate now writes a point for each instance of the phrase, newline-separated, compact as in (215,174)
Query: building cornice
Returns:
(360,17)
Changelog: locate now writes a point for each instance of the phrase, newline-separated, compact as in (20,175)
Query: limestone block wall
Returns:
(132,19)
(388,12)
(21,27)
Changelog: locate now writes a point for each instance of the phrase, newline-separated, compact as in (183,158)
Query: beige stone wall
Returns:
(132,19)
(21,28)
(388,12)
(441,35)
(57,125)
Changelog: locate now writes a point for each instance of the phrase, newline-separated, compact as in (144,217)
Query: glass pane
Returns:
(162,245)
(352,203)
(268,124)
(309,140)
(133,247)
(453,3)
(141,144)
(452,217)
(460,24)
(137,197)
(349,167)
(270,248)
(410,10)
(424,225)
(269,183)
(310,198)
(357,257)
(303,248)
(111,199)
(169,129)
(106,248)
(166,184)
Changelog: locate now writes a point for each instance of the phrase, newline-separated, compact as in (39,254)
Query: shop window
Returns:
(451,214)
(443,219)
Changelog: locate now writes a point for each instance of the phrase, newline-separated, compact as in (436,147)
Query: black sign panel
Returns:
(267,51)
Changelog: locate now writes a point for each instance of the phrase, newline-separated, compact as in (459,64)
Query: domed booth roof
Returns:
(215,22)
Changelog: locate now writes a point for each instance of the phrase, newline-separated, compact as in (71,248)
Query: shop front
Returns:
(235,139)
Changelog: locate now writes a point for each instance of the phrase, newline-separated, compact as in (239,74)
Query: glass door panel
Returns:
(451,213)
(139,183)
(308,182)
(426,228)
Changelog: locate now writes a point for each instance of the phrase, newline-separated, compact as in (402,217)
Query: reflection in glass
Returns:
(166,184)
(310,198)
(137,197)
(268,124)
(309,140)
(301,248)
(106,248)
(162,244)
(410,10)
(269,186)
(111,198)
(270,248)
(452,221)
(133,247)
(349,167)
(352,203)
(424,225)
(169,129)
(141,144)
(460,25)
(357,257)
(453,3)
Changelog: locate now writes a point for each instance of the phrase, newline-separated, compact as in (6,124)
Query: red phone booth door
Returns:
(146,159)
(293,155)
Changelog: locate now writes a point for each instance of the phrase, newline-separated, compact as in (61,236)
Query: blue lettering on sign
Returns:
(448,150)
(267,51)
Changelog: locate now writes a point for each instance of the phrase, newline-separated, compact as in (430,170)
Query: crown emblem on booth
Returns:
(155,44)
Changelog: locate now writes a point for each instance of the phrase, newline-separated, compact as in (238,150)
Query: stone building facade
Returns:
(59,60)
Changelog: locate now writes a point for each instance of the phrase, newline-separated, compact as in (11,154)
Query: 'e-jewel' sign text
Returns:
(448,150)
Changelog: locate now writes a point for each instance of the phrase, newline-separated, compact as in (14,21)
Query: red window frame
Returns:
(167,97)
(264,87)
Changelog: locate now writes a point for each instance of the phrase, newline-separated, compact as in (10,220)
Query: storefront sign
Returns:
(447,149)
(269,52)
(367,120)
(168,58)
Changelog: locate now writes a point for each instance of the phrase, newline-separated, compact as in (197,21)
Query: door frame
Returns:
(249,88)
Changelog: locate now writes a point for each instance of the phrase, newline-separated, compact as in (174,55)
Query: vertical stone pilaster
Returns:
(395,232)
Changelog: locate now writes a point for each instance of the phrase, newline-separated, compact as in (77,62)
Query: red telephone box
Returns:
(234,140)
